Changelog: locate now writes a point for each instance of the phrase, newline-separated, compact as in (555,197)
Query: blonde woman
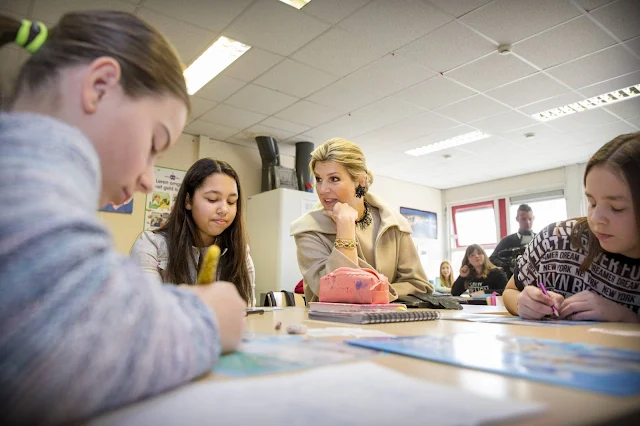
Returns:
(445,281)
(352,227)
(478,274)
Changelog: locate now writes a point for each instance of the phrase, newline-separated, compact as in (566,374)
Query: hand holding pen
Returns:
(535,302)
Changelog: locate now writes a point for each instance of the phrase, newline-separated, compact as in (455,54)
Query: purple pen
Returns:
(544,290)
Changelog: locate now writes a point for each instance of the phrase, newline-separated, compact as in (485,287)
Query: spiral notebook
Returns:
(375,317)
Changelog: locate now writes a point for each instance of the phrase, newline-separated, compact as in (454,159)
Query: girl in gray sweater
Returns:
(82,329)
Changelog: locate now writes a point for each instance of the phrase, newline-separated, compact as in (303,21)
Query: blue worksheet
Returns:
(587,367)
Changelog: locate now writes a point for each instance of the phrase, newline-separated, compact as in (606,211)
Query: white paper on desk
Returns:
(348,394)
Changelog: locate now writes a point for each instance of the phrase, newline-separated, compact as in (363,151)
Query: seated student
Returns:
(445,281)
(352,227)
(590,266)
(208,210)
(82,329)
(478,274)
(512,246)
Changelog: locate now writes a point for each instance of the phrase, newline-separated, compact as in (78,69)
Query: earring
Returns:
(360,191)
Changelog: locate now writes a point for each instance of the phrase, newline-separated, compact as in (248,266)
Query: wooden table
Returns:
(564,405)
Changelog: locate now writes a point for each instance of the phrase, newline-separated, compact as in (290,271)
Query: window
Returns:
(475,224)
(548,207)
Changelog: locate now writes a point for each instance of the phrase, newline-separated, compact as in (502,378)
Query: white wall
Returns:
(398,194)
(518,185)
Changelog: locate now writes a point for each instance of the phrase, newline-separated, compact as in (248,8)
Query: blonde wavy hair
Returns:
(345,153)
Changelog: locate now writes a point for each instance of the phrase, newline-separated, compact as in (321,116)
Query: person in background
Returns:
(590,265)
(352,227)
(511,246)
(478,274)
(445,281)
(82,329)
(208,210)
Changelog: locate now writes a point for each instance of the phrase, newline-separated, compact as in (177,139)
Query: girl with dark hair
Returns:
(82,329)
(478,274)
(590,265)
(208,210)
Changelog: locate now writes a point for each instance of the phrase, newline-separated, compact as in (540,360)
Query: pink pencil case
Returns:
(349,285)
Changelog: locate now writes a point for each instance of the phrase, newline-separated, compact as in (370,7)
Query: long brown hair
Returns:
(149,64)
(487,266)
(622,157)
(446,282)
(181,232)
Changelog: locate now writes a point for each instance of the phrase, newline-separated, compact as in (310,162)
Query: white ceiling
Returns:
(393,75)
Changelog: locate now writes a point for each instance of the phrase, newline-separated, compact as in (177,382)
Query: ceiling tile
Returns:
(435,92)
(489,147)
(394,24)
(617,83)
(346,95)
(503,123)
(373,116)
(252,64)
(295,78)
(339,52)
(635,121)
(261,130)
(447,47)
(214,131)
(581,120)
(210,15)
(622,18)
(603,65)
(391,74)
(288,126)
(459,7)
(189,40)
(408,129)
(220,88)
(568,41)
(52,10)
(232,117)
(601,135)
(491,71)
(509,21)
(333,11)
(16,6)
(626,109)
(276,27)
(634,45)
(541,131)
(589,5)
(555,102)
(199,106)
(528,90)
(259,99)
(472,109)
(308,113)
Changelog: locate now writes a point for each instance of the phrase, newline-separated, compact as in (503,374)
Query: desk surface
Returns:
(564,405)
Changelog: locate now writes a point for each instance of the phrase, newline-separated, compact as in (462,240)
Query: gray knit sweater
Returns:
(82,328)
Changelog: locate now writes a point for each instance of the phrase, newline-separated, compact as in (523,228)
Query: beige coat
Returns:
(395,254)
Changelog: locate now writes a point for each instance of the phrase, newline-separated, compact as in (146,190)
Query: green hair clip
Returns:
(31,35)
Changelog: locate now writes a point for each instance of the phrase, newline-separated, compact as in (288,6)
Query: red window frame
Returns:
(465,207)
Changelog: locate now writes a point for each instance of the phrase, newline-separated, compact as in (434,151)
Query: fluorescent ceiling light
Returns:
(298,4)
(216,58)
(591,103)
(448,143)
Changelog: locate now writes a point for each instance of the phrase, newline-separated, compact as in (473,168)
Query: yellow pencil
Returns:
(207,273)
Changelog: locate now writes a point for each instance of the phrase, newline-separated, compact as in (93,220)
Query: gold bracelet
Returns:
(344,243)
